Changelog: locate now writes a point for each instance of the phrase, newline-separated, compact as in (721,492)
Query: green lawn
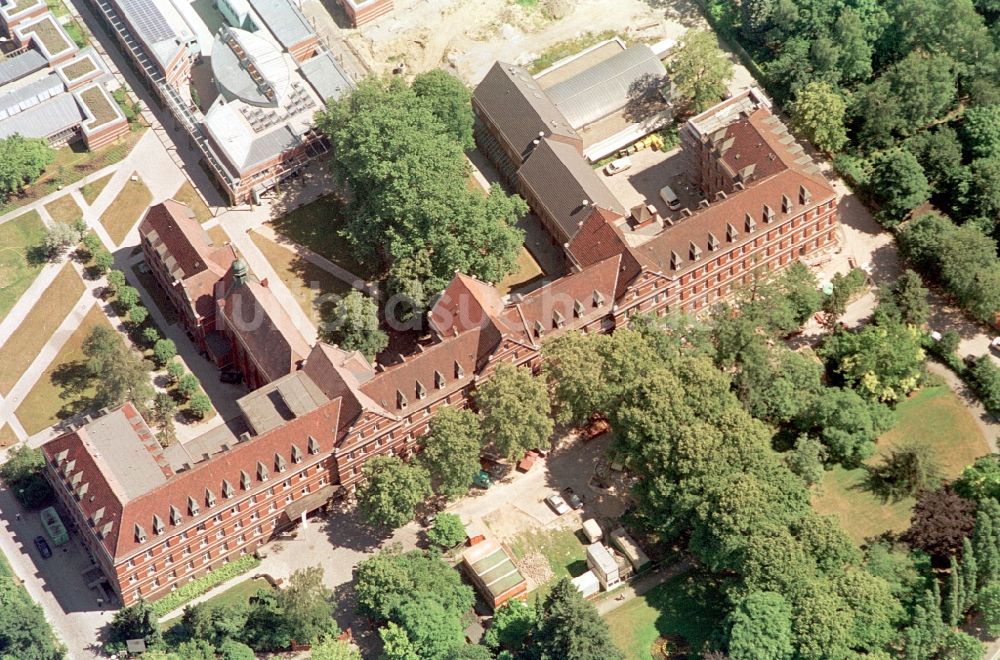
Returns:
(48,312)
(935,415)
(527,270)
(17,268)
(7,436)
(238,593)
(64,209)
(688,605)
(132,201)
(566,553)
(314,289)
(317,226)
(92,190)
(65,388)
(186,194)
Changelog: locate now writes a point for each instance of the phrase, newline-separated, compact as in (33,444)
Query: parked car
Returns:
(670,198)
(618,165)
(995,345)
(231,377)
(43,547)
(574,500)
(557,504)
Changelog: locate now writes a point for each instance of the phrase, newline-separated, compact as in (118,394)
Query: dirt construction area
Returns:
(468,36)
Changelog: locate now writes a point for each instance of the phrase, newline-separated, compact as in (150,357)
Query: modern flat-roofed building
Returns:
(272,76)
(51,89)
(360,12)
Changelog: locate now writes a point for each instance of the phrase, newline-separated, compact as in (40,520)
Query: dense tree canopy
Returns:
(399,149)
(451,450)
(514,407)
(118,374)
(818,113)
(391,490)
(355,325)
(570,627)
(22,160)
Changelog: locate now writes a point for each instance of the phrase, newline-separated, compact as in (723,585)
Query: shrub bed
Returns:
(204,584)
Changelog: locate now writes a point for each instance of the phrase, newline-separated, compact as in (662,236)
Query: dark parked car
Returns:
(43,547)
(572,498)
(232,377)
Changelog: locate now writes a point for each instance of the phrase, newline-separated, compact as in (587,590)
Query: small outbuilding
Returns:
(592,531)
(603,564)
(629,548)
(588,584)
(493,572)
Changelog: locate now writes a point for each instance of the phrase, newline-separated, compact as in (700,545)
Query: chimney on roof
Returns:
(585,203)
(263,282)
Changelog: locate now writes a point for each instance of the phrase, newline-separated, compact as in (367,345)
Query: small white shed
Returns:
(592,530)
(602,562)
(588,584)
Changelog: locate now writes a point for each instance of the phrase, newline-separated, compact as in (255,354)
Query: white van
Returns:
(670,198)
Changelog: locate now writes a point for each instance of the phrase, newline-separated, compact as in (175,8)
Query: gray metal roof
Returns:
(284,20)
(608,86)
(30,95)
(231,77)
(519,108)
(326,76)
(281,400)
(114,442)
(561,179)
(45,119)
(270,145)
(14,68)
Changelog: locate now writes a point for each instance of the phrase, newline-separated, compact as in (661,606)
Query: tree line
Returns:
(905,95)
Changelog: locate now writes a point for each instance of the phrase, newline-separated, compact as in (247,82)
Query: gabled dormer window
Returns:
(804,195)
(209,498)
(296,454)
(106,529)
(82,490)
(175,515)
(675,260)
(786,204)
(313,445)
(598,298)
(158,525)
(401,401)
(279,463)
(244,480)
(438,380)
(97,515)
(557,319)
(193,507)
(68,467)
(694,251)
(262,472)
(459,371)
(227,489)
(577,308)
(713,242)
(140,534)
(539,330)
(731,233)
(421,390)
(750,224)
(768,214)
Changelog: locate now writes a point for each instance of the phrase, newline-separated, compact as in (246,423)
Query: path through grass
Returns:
(124,211)
(48,312)
(65,389)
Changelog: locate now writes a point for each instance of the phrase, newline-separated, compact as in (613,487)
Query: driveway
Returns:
(57,584)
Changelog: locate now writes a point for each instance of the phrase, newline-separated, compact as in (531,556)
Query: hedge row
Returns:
(204,584)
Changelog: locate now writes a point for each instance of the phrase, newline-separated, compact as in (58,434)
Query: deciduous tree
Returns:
(355,325)
(450,101)
(940,520)
(899,182)
(391,490)
(818,112)
(514,407)
(22,160)
(451,450)
(447,531)
(512,624)
(117,373)
(699,71)
(761,628)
